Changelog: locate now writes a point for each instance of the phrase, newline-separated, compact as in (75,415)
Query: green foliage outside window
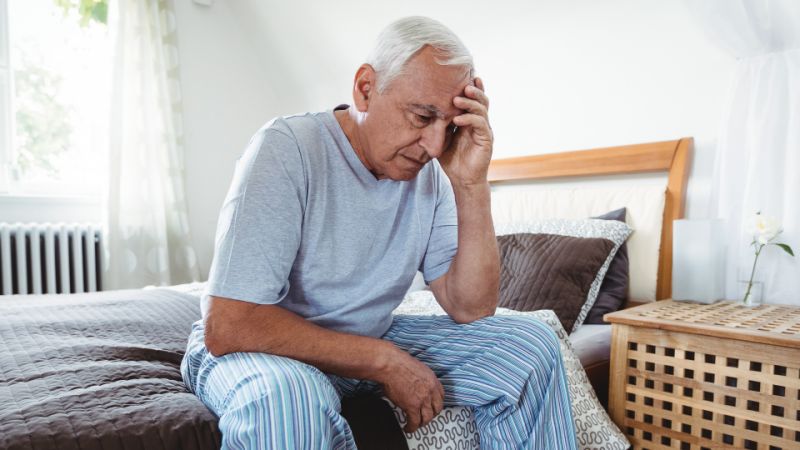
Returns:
(88,10)
(43,125)
(43,133)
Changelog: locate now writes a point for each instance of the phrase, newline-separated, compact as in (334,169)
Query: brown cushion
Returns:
(547,271)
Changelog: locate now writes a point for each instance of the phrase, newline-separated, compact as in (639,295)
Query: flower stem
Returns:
(752,274)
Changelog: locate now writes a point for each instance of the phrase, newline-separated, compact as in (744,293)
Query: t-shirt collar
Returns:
(349,152)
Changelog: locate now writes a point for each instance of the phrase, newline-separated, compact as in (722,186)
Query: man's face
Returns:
(410,123)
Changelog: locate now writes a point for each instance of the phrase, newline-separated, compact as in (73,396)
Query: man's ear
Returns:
(364,87)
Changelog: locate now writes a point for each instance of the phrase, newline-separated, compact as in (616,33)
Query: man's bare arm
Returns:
(237,326)
(469,289)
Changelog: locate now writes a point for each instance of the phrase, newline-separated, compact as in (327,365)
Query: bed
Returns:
(101,370)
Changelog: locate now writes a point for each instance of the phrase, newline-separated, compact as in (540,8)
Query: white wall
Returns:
(561,75)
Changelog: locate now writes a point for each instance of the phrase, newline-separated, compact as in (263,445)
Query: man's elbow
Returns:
(214,344)
(215,337)
(464,317)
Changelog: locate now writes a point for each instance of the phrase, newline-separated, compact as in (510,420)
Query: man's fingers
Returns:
(477,93)
(413,418)
(478,123)
(470,105)
(437,401)
(479,83)
(427,414)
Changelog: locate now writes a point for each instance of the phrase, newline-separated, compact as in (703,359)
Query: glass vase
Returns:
(750,295)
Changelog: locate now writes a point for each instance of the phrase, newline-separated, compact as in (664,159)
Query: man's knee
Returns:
(529,335)
(277,383)
(263,399)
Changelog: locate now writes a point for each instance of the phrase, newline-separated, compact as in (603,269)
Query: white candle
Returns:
(697,260)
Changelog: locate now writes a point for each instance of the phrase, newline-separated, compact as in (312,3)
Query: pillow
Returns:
(614,289)
(548,271)
(613,231)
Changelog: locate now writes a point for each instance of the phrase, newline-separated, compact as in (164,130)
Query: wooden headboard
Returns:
(673,157)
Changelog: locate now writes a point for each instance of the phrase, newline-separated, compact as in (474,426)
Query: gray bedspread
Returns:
(99,371)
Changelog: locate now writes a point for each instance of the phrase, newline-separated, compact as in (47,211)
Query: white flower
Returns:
(764,228)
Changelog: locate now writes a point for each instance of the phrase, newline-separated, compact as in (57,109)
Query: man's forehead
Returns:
(443,111)
(431,109)
(428,85)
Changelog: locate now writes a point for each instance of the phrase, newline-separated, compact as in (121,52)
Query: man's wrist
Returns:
(467,191)
(385,357)
(470,186)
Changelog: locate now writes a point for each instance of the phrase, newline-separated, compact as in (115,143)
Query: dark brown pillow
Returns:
(614,289)
(547,271)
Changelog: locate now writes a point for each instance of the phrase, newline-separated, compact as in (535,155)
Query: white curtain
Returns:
(758,147)
(148,240)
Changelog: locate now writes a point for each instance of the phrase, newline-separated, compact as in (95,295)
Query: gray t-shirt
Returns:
(306,226)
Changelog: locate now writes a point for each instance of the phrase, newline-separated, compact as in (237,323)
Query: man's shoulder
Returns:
(296,126)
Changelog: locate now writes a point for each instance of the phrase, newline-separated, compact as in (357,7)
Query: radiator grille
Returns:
(50,258)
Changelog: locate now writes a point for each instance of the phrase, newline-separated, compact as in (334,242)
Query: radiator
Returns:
(50,258)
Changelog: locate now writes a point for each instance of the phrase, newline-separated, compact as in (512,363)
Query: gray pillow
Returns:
(614,290)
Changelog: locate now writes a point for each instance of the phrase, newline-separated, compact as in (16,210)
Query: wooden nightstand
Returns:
(694,376)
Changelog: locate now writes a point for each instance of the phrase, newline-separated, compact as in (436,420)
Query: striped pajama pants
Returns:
(508,369)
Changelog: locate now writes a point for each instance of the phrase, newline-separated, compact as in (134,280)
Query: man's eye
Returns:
(422,119)
(451,129)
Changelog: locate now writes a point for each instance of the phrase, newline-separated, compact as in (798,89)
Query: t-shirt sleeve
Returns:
(443,241)
(259,227)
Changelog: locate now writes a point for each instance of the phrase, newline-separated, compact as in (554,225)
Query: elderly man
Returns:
(328,218)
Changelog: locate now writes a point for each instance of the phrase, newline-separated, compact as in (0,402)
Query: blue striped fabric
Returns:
(509,369)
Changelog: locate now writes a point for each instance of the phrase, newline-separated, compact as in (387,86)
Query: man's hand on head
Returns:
(466,160)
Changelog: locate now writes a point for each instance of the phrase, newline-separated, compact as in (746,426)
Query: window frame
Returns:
(12,188)
(6,109)
(17,206)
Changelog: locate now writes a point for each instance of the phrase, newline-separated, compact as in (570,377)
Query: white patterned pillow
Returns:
(454,428)
(614,231)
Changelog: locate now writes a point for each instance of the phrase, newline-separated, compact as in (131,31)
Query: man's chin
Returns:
(406,174)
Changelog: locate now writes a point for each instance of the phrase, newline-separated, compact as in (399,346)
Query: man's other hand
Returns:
(413,387)
(466,160)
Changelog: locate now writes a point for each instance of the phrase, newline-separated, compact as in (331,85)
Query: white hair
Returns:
(404,38)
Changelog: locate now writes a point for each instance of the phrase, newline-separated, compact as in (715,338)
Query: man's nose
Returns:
(434,138)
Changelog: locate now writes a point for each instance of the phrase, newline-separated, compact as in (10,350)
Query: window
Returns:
(55,73)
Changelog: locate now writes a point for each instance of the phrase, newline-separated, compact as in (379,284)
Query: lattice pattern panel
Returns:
(781,319)
(686,391)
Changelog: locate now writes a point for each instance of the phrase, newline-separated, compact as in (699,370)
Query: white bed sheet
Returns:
(592,343)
